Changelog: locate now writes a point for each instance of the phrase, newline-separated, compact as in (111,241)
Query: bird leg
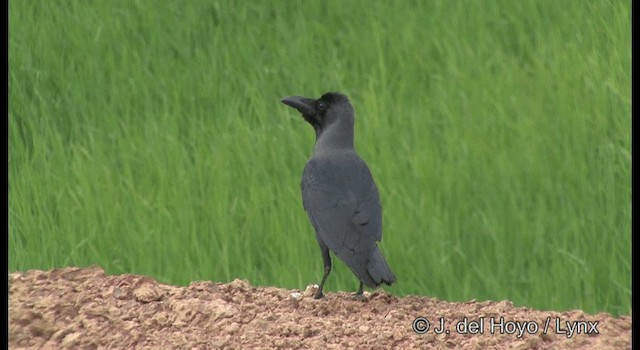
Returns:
(360,293)
(326,259)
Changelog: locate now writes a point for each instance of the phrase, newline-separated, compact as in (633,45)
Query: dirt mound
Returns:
(83,308)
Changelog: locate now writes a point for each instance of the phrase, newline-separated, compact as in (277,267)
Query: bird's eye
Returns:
(322,106)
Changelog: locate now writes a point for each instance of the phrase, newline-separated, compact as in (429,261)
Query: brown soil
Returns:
(83,308)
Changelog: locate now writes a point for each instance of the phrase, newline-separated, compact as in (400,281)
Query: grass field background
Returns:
(147,137)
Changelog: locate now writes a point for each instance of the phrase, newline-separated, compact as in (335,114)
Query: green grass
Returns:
(147,137)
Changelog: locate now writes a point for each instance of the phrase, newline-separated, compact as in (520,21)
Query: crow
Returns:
(339,194)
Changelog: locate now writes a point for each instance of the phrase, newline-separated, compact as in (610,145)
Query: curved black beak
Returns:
(304,105)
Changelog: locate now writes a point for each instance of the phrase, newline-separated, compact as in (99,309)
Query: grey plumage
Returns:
(339,193)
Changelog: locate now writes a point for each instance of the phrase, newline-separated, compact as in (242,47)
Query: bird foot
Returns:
(359,297)
(318,295)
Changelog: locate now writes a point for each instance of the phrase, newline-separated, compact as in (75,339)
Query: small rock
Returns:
(147,293)
(42,328)
(311,290)
(121,293)
(397,336)
(546,337)
(232,328)
(239,284)
(70,340)
(307,332)
(220,343)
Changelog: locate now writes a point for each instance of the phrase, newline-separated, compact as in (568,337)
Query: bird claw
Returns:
(318,295)
(359,297)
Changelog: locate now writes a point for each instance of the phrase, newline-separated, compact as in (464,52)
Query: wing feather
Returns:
(342,201)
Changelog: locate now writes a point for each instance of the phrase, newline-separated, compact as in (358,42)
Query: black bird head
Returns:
(332,109)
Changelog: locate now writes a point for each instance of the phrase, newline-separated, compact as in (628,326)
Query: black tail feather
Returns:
(379,270)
